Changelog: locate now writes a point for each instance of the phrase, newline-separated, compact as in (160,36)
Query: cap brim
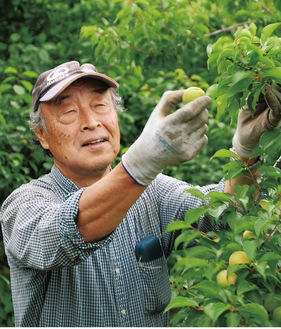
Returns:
(61,86)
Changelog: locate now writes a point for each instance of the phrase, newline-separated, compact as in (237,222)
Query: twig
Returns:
(226,29)
(267,10)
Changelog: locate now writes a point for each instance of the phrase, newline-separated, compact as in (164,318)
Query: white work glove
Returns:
(168,138)
(250,127)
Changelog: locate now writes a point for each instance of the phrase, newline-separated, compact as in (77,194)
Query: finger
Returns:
(168,102)
(198,145)
(191,110)
(200,133)
(194,125)
(199,120)
(273,100)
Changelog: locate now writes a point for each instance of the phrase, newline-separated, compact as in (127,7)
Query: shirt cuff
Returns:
(69,228)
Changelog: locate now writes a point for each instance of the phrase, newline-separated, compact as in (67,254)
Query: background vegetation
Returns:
(148,47)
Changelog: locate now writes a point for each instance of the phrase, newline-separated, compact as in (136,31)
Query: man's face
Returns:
(82,131)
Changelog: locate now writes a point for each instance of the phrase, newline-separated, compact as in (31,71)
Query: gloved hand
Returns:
(168,138)
(250,127)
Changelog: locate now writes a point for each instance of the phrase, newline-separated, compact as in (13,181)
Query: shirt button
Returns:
(123,312)
(117,271)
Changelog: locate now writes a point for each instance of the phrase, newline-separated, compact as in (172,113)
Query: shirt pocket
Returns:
(156,291)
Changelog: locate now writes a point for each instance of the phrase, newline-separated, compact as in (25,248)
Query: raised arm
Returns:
(168,138)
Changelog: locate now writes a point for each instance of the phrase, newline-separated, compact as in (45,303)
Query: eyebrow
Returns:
(58,99)
(100,89)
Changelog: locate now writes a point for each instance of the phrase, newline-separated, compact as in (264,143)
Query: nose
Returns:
(89,120)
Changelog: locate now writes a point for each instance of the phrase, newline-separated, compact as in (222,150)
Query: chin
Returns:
(101,168)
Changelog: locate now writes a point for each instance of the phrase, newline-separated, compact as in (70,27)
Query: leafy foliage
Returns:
(245,64)
(19,161)
(6,311)
(199,298)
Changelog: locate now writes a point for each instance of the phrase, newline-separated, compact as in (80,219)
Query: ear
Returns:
(42,136)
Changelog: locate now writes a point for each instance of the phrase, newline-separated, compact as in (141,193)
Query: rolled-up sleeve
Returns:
(40,231)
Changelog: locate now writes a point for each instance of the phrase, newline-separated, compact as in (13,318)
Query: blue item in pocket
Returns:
(148,249)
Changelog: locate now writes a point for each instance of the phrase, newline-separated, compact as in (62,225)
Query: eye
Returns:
(67,116)
(101,108)
(69,112)
(67,107)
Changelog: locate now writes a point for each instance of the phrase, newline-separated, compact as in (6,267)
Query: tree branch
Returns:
(226,29)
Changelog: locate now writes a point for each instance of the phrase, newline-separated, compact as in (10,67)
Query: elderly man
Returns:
(85,243)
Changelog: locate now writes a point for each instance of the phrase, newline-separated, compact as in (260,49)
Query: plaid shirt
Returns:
(58,280)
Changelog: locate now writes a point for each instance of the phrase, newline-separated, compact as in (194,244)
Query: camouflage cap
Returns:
(52,82)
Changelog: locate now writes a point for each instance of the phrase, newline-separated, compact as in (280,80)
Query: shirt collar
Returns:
(62,181)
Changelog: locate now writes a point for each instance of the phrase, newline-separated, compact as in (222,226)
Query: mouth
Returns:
(96,141)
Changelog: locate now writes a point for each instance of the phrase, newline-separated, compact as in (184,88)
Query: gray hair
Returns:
(37,120)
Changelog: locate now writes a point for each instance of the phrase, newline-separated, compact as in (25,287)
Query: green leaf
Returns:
(260,225)
(211,289)
(239,223)
(232,319)
(233,220)
(233,106)
(250,247)
(186,237)
(27,85)
(196,192)
(2,121)
(241,82)
(267,32)
(177,225)
(198,251)
(219,196)
(241,191)
(269,140)
(221,105)
(270,256)
(180,301)
(193,263)
(253,28)
(30,74)
(245,286)
(10,69)
(19,90)
(233,169)
(4,87)
(214,310)
(217,210)
(261,269)
(274,74)
(192,215)
(223,153)
(212,91)
(256,312)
